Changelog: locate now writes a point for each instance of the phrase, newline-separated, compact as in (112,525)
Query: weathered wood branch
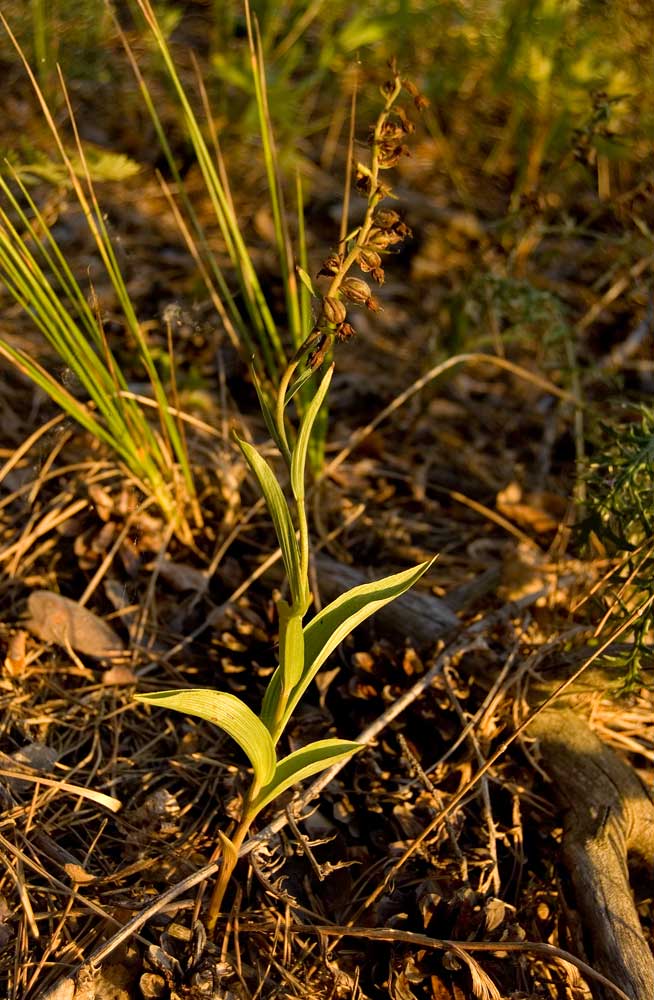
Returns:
(608,814)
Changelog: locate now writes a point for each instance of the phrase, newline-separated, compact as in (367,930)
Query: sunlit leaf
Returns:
(280,515)
(330,627)
(306,280)
(299,454)
(304,763)
(269,418)
(232,715)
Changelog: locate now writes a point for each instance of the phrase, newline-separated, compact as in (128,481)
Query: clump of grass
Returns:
(37,275)
(303,648)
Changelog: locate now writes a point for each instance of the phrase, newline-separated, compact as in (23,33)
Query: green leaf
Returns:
(300,381)
(330,627)
(269,418)
(305,279)
(280,514)
(303,764)
(299,454)
(232,715)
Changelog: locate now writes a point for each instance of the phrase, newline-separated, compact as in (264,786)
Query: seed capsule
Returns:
(356,290)
(334,310)
(369,260)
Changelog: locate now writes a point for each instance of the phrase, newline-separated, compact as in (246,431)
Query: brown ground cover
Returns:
(437,863)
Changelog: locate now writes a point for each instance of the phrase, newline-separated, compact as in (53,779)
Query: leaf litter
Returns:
(486,873)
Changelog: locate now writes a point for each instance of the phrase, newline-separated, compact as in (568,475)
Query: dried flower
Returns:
(407,125)
(356,290)
(330,266)
(317,357)
(333,310)
(345,332)
(382,239)
(372,304)
(378,275)
(390,153)
(386,218)
(420,101)
(369,260)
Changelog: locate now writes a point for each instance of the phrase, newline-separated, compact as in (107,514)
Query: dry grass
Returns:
(439,843)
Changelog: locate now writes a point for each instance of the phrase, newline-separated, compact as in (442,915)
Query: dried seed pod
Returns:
(333,310)
(420,101)
(363,183)
(382,239)
(355,290)
(369,260)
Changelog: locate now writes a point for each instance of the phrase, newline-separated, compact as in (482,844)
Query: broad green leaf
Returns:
(280,515)
(330,627)
(232,715)
(305,279)
(299,454)
(303,764)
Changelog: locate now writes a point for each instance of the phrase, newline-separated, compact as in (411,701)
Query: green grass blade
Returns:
(282,238)
(254,298)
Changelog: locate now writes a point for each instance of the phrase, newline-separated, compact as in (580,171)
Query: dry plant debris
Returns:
(433,866)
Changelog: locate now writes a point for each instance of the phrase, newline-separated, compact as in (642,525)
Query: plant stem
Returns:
(373,198)
(230,858)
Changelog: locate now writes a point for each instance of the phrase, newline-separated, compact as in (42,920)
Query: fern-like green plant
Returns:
(620,516)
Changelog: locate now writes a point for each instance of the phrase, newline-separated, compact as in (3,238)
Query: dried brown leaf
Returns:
(58,619)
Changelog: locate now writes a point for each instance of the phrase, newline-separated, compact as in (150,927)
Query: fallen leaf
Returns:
(541,511)
(58,619)
(119,675)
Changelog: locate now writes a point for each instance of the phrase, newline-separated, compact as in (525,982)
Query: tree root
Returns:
(608,815)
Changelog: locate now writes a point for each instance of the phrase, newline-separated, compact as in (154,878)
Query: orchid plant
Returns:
(304,646)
